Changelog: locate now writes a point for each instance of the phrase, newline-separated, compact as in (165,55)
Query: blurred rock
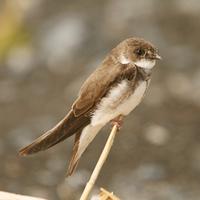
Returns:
(130,10)
(78,179)
(156,135)
(149,172)
(60,38)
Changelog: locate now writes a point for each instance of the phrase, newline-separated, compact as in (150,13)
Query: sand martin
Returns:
(111,92)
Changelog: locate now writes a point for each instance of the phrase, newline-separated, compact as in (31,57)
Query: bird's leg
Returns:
(118,121)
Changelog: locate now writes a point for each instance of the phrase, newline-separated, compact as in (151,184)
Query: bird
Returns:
(109,94)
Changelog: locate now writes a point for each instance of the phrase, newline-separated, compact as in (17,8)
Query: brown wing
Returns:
(64,129)
(99,83)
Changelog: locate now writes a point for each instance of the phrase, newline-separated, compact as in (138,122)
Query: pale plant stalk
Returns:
(12,196)
(99,164)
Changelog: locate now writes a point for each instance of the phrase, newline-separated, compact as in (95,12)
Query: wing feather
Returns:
(99,83)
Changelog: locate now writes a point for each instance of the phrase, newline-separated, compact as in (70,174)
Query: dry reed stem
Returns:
(106,195)
(12,196)
(99,164)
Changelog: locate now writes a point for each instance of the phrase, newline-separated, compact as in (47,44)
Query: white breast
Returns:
(105,111)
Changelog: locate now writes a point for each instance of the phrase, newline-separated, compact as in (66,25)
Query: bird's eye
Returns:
(140,52)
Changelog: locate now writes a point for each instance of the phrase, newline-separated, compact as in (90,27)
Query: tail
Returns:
(82,140)
(64,129)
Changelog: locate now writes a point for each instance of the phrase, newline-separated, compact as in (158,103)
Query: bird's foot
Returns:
(118,121)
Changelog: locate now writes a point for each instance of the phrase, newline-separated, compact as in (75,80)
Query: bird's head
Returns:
(138,52)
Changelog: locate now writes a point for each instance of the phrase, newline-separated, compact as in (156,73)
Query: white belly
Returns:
(105,111)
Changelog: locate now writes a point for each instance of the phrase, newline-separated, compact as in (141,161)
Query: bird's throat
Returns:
(145,63)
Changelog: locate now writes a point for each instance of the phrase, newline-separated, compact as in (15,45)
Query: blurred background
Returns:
(48,48)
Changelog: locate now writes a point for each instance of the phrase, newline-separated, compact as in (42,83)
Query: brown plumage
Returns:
(97,87)
(73,163)
(64,129)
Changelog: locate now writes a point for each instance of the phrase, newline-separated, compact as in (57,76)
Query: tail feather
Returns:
(73,163)
(82,140)
(64,129)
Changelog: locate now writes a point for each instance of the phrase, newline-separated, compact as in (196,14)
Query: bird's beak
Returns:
(158,57)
